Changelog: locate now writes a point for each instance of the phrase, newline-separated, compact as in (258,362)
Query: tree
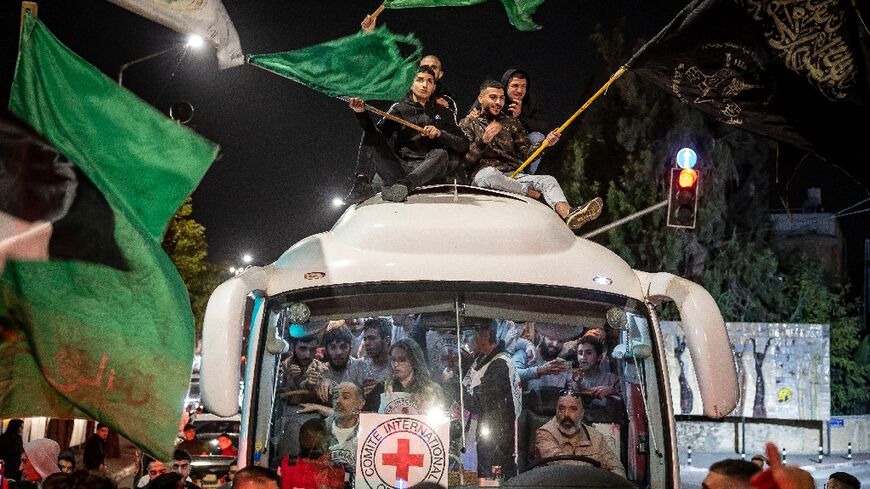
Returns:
(624,146)
(809,300)
(185,244)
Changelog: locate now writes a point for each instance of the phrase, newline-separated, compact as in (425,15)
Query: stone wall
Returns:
(724,436)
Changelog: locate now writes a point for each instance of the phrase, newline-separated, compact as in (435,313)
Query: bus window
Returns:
(522,376)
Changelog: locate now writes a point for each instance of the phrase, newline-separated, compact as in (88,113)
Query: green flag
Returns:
(520,12)
(429,3)
(365,65)
(109,338)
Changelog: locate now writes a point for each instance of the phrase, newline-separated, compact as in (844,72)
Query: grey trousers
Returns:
(490,177)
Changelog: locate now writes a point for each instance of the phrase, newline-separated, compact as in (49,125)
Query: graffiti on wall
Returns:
(783,370)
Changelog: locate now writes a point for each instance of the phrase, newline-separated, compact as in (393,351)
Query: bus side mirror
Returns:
(222,333)
(706,338)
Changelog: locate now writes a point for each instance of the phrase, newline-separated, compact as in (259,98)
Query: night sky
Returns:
(287,150)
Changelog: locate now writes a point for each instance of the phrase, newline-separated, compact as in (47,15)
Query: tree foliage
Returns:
(185,244)
(623,148)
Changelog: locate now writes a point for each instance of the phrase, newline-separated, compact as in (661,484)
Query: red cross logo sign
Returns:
(396,451)
(403,459)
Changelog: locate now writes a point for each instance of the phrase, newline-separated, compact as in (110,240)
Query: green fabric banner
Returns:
(81,338)
(370,66)
(429,3)
(520,12)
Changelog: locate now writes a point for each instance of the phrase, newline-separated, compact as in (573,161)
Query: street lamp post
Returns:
(194,41)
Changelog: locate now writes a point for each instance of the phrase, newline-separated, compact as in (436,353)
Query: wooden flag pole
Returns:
(385,115)
(378,12)
(562,128)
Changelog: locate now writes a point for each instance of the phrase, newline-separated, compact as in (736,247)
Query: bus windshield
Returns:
(521,376)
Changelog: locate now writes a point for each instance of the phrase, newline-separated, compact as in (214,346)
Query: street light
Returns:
(194,41)
(247,259)
(337,202)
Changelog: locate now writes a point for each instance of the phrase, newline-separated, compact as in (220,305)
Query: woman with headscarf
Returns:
(39,460)
(410,388)
(11,446)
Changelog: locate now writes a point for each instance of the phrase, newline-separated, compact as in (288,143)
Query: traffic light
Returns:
(683,195)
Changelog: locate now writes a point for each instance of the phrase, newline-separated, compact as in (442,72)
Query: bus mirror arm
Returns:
(705,335)
(222,332)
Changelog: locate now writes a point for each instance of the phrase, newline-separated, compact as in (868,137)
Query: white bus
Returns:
(459,252)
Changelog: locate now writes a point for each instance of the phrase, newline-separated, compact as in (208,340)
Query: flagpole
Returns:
(562,128)
(386,115)
(377,12)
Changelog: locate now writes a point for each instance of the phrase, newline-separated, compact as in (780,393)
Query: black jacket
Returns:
(531,116)
(410,144)
(493,403)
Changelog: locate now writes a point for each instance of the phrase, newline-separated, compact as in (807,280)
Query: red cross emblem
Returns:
(403,459)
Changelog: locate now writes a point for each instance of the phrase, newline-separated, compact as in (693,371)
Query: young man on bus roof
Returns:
(566,434)
(414,158)
(441,95)
(498,145)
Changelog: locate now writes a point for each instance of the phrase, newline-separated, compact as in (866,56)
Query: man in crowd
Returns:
(441,95)
(566,434)
(155,470)
(343,425)
(66,462)
(589,377)
(547,368)
(341,367)
(730,474)
(520,105)
(415,158)
(94,456)
(181,466)
(39,459)
(300,374)
(255,477)
(843,480)
(226,447)
(493,398)
(191,444)
(498,145)
(377,338)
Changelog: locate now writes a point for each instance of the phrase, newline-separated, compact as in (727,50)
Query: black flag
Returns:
(795,71)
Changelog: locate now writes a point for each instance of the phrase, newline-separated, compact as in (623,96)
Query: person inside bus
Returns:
(340,366)
(294,388)
(546,368)
(493,397)
(313,468)
(377,338)
(342,422)
(410,388)
(589,378)
(566,434)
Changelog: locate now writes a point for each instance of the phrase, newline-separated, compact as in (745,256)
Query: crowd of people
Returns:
(439,145)
(410,364)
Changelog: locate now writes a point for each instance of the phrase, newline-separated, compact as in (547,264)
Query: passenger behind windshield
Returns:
(419,373)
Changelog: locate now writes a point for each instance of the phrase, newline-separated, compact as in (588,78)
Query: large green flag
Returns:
(370,66)
(103,328)
(519,12)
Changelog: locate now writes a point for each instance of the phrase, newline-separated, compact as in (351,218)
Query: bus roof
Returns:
(451,233)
